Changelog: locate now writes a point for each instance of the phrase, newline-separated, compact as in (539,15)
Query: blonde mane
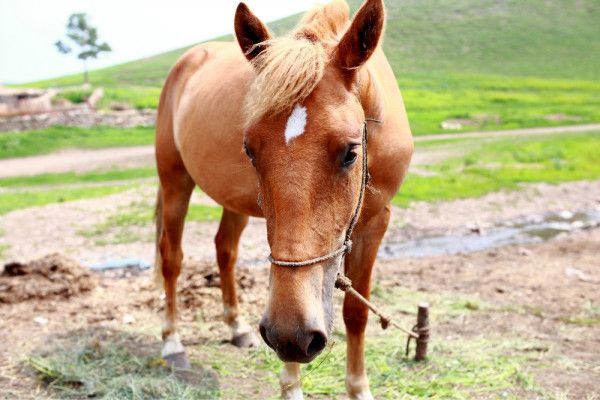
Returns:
(290,67)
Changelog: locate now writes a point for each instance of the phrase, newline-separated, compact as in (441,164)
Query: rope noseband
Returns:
(346,247)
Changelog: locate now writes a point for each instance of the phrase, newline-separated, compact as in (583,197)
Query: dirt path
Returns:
(511,132)
(78,160)
(142,156)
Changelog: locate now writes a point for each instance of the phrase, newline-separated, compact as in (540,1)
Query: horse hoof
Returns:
(247,339)
(177,360)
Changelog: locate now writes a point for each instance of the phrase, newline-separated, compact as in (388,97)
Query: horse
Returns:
(277,128)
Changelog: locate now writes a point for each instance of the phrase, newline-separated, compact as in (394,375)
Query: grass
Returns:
(43,141)
(488,102)
(3,248)
(113,365)
(505,164)
(124,225)
(10,201)
(588,317)
(497,65)
(90,364)
(493,365)
(78,178)
(75,95)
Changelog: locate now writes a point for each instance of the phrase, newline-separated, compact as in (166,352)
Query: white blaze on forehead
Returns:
(296,123)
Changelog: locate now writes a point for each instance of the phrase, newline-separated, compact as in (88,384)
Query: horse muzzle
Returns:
(301,343)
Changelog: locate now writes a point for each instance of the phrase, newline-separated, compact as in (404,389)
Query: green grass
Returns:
(500,65)
(504,164)
(497,102)
(492,364)
(78,178)
(20,144)
(10,201)
(123,226)
(75,95)
(3,248)
(107,366)
(113,365)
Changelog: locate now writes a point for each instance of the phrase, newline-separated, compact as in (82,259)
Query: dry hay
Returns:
(51,277)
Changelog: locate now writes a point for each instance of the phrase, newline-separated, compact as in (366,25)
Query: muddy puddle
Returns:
(525,230)
(520,231)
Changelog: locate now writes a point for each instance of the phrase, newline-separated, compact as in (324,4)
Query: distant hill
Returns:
(448,46)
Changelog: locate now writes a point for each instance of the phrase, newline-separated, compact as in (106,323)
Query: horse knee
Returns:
(355,317)
(170,260)
(225,251)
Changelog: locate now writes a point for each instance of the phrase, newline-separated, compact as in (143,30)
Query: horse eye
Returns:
(349,157)
(250,155)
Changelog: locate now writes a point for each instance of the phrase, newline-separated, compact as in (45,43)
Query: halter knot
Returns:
(343,283)
(348,246)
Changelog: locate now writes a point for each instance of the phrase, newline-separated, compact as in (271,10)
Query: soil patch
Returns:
(53,276)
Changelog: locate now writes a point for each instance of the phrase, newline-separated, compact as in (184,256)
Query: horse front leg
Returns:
(359,264)
(173,200)
(291,385)
(227,242)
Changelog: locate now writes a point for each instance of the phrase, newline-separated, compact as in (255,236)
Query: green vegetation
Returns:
(493,165)
(113,365)
(492,65)
(79,178)
(16,200)
(75,95)
(86,364)
(590,316)
(123,226)
(3,248)
(487,102)
(20,144)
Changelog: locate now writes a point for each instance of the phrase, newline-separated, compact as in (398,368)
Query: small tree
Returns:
(85,37)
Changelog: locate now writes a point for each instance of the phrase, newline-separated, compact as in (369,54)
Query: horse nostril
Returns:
(263,333)
(317,344)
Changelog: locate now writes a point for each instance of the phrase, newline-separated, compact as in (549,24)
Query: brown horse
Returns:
(281,122)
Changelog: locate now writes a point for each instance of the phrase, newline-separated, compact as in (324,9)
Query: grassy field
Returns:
(493,65)
(21,144)
(492,165)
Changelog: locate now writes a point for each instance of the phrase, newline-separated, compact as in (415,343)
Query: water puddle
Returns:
(526,230)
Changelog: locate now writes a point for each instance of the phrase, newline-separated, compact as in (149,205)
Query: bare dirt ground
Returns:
(528,292)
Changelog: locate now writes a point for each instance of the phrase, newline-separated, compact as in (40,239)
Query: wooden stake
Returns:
(423,331)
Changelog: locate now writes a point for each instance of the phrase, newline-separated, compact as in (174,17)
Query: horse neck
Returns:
(369,93)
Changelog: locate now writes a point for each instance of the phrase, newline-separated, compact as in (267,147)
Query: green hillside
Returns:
(488,64)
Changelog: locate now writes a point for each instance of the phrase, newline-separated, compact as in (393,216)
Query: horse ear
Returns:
(250,32)
(361,39)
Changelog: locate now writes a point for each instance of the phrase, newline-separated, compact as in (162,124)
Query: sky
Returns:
(133,28)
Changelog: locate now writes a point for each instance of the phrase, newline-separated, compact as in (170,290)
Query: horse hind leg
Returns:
(227,242)
(172,205)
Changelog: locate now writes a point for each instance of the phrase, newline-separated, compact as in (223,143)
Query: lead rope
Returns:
(342,282)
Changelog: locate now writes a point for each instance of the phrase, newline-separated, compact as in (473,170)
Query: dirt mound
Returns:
(199,285)
(53,276)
